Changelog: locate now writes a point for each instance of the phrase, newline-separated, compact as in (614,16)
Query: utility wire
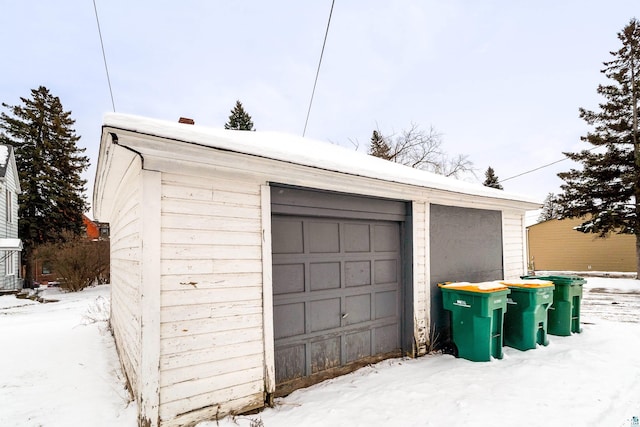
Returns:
(104,57)
(533,170)
(541,167)
(318,70)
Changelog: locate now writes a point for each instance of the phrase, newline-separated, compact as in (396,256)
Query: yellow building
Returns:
(554,245)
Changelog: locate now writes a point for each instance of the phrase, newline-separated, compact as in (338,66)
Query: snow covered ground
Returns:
(58,367)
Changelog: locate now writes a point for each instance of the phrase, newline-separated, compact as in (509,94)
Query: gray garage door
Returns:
(337,286)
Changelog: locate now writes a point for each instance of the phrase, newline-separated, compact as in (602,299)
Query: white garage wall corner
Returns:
(513,240)
(150,298)
(421,292)
(267,291)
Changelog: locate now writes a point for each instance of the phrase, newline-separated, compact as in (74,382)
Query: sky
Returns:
(587,379)
(501,81)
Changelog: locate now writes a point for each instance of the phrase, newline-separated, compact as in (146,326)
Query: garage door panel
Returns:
(357,238)
(357,273)
(325,354)
(386,271)
(288,278)
(357,309)
(290,363)
(386,238)
(290,318)
(324,314)
(387,338)
(386,304)
(324,237)
(287,237)
(358,345)
(324,275)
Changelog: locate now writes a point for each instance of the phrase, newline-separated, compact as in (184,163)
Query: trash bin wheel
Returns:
(450,348)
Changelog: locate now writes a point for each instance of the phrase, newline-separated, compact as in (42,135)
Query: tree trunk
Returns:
(27,259)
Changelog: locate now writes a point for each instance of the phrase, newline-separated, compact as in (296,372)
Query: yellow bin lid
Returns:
(475,287)
(528,283)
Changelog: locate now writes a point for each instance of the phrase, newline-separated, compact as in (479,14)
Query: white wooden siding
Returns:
(126,257)
(513,244)
(212,314)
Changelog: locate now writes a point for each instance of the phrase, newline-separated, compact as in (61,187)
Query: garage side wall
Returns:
(126,261)
(212,351)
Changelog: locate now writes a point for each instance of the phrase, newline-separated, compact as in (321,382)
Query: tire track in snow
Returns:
(609,304)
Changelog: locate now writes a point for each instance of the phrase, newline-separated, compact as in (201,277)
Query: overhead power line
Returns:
(104,57)
(318,70)
(541,167)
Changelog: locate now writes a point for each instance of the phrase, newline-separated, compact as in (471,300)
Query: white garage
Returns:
(245,265)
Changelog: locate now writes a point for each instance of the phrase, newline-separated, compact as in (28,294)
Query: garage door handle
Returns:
(344,316)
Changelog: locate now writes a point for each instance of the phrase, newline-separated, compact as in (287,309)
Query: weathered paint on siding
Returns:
(555,245)
(211,266)
(126,258)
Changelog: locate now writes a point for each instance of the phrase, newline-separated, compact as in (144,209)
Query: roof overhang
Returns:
(10,245)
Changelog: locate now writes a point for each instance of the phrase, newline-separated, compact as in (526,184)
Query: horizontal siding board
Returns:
(210,281)
(216,310)
(239,363)
(217,237)
(212,405)
(228,252)
(199,357)
(210,266)
(210,296)
(224,197)
(212,340)
(208,222)
(207,208)
(210,325)
(203,385)
(190,178)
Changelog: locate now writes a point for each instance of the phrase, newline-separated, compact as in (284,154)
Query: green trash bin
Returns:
(525,322)
(477,318)
(564,313)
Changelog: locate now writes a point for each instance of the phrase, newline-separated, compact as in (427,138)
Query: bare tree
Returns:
(422,149)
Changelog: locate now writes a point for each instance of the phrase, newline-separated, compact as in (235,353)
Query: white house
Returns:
(10,244)
(247,264)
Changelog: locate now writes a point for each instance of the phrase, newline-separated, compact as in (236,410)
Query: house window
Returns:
(9,206)
(9,264)
(46,269)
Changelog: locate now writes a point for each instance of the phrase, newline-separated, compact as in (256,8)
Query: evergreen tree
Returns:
(379,147)
(606,190)
(491,180)
(239,119)
(550,209)
(49,168)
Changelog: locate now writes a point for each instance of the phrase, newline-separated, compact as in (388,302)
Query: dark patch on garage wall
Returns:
(466,246)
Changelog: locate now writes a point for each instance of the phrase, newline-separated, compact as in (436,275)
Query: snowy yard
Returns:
(58,367)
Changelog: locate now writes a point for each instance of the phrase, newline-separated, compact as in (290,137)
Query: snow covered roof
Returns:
(304,151)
